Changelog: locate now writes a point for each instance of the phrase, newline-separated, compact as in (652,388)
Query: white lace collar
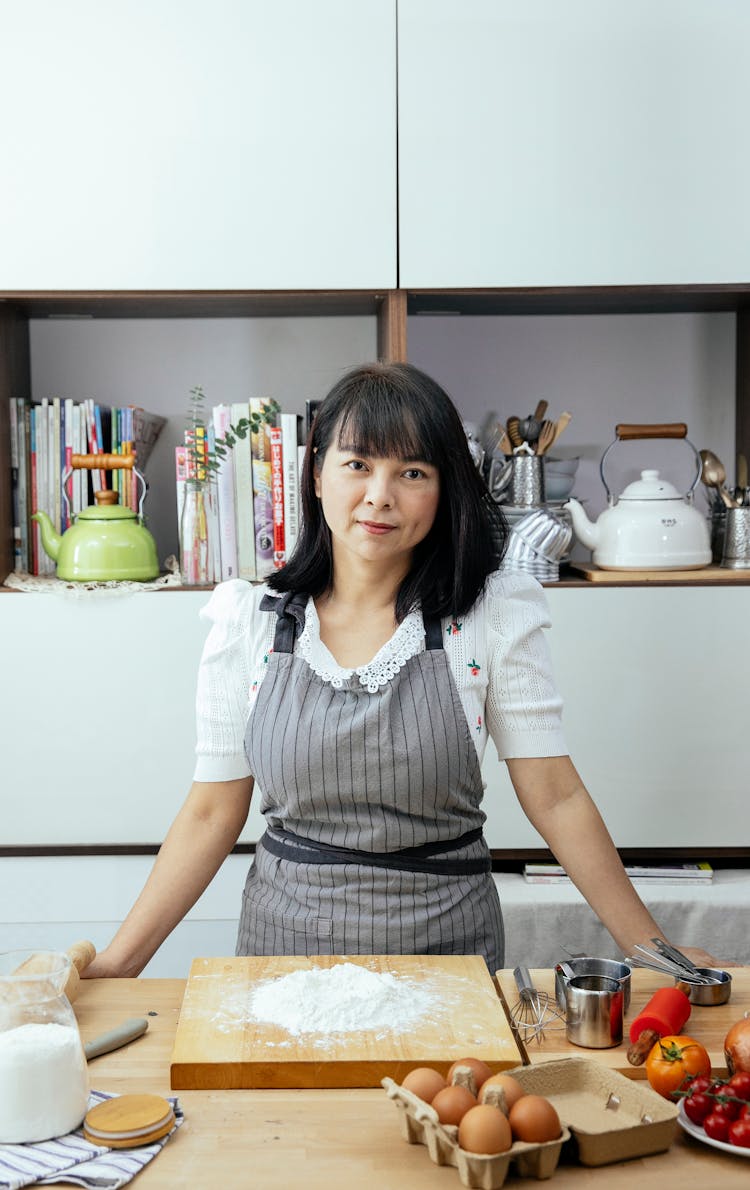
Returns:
(406,642)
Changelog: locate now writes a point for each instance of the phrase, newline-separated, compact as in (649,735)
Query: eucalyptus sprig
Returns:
(206,461)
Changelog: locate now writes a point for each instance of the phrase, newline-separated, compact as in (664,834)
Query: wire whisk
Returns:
(534,1011)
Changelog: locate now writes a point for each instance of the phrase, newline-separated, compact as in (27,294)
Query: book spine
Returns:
(24,481)
(93,448)
(243,497)
(212,512)
(290,432)
(100,442)
(35,539)
(14,480)
(262,492)
(67,458)
(58,434)
(225,492)
(43,476)
(275,435)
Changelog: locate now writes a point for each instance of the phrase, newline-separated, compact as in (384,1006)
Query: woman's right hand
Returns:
(107,966)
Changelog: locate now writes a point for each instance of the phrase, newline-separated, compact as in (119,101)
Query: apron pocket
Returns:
(301,923)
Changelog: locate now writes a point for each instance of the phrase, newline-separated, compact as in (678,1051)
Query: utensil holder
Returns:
(736,553)
(527,480)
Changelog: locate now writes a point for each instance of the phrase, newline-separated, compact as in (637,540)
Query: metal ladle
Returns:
(713,475)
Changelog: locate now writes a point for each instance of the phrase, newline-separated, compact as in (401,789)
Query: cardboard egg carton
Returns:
(611,1117)
(420,1125)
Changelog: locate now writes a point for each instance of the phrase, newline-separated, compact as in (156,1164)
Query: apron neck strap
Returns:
(290,611)
(433,632)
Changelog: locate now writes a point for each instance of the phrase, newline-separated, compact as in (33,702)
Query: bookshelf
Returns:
(392,311)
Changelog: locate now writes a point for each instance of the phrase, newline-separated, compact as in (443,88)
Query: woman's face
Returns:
(378,509)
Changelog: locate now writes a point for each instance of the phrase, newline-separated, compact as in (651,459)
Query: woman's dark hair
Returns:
(389,410)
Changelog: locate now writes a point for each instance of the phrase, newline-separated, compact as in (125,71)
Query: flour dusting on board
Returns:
(321,1005)
(341,999)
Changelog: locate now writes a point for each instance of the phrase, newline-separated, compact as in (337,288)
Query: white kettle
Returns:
(651,526)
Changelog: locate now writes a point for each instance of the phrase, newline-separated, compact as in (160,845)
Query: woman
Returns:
(358,688)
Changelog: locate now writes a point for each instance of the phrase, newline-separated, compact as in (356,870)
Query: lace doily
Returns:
(48,584)
(406,642)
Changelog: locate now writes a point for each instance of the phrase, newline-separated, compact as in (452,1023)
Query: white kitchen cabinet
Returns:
(174,144)
(593,142)
(98,722)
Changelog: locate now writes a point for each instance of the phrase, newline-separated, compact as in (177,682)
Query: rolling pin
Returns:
(665,1013)
(80,955)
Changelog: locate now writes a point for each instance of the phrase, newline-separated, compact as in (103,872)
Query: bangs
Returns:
(387,427)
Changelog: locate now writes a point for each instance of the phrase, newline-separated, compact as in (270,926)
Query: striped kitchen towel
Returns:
(72,1158)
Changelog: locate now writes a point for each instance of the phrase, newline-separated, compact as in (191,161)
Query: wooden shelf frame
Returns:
(391,308)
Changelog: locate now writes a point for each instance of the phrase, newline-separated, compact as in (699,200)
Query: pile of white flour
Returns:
(340,999)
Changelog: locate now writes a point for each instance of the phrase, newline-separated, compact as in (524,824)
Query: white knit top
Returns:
(498,655)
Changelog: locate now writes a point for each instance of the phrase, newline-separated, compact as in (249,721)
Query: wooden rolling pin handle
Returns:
(102,462)
(671,430)
(640,1049)
(80,955)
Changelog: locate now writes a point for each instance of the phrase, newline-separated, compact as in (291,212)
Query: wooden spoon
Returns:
(546,437)
(562,423)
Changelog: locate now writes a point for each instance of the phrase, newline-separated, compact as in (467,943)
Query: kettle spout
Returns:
(50,537)
(585,530)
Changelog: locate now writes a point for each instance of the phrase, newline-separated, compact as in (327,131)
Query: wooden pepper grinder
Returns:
(665,1013)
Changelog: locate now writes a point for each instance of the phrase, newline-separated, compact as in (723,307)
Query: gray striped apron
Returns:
(372,804)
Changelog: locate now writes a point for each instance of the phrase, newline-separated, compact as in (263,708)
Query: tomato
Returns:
(739,1085)
(716,1126)
(739,1133)
(698,1106)
(673,1060)
(729,1108)
(700,1083)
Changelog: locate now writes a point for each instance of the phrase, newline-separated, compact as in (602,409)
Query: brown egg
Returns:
(506,1083)
(533,1118)
(484,1129)
(424,1082)
(479,1069)
(452,1104)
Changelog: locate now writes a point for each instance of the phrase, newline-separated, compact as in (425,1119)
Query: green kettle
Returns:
(106,541)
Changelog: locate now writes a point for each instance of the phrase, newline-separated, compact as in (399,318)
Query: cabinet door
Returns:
(179,144)
(591,142)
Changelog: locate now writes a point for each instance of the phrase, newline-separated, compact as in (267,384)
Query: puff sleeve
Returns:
(236,634)
(523,707)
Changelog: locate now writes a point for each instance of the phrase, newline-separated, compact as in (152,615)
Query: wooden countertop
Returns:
(315,1140)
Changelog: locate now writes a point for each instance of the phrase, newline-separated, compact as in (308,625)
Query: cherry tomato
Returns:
(739,1085)
(716,1126)
(700,1083)
(674,1059)
(698,1106)
(739,1133)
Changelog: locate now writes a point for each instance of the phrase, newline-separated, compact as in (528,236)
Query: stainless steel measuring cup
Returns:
(593,1011)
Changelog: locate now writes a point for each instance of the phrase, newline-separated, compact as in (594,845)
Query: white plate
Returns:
(699,1134)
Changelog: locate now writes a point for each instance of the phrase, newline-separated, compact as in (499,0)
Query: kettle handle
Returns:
(676,429)
(628,433)
(107,463)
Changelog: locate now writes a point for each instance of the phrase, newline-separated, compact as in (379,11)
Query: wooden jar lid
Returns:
(129,1120)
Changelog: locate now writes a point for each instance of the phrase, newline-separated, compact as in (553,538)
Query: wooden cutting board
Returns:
(707,574)
(219,1044)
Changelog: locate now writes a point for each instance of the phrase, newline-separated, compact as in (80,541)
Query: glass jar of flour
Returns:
(44,1081)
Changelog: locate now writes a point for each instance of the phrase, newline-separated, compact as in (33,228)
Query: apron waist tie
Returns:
(287,845)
